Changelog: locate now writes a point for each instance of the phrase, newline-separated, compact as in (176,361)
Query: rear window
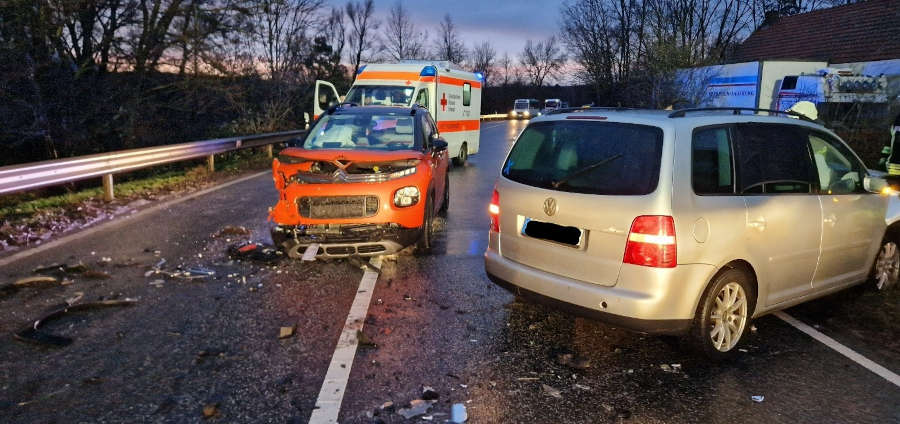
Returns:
(587,157)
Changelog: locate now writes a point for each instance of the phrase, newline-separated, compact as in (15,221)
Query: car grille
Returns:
(329,207)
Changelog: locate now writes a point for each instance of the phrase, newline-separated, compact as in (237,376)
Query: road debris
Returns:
(416,407)
(210,410)
(255,252)
(12,288)
(77,296)
(359,262)
(158,283)
(33,334)
(428,393)
(551,391)
(364,341)
(286,332)
(573,361)
(758,398)
(673,368)
(458,413)
(387,406)
(233,230)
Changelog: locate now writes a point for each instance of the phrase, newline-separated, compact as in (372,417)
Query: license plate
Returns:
(570,236)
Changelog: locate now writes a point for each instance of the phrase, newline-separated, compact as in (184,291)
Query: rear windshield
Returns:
(587,157)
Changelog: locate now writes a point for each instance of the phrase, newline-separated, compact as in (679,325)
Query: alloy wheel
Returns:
(728,316)
(887,266)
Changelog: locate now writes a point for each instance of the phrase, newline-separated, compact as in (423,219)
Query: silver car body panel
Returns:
(799,246)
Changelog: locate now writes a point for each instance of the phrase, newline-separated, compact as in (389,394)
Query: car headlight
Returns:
(526,113)
(403,173)
(406,196)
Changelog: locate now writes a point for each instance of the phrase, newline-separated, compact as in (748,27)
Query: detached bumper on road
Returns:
(638,311)
(341,241)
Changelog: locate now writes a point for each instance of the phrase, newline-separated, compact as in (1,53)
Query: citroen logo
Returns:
(550,206)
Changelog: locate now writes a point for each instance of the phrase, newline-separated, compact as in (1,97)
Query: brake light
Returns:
(651,242)
(494,210)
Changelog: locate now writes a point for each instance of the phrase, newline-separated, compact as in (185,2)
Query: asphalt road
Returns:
(433,321)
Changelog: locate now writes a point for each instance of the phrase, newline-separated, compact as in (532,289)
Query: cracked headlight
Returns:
(406,196)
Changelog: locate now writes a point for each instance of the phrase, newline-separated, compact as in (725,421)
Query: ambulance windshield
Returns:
(383,95)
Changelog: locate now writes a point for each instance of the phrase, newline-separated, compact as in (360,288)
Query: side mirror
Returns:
(875,184)
(438,145)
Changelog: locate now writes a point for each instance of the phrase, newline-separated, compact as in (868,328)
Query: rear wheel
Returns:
(723,314)
(886,270)
(424,245)
(463,156)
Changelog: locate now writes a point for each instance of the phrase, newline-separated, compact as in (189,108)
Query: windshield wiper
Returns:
(578,172)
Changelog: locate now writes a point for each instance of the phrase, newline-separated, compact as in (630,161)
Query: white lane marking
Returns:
(839,348)
(332,393)
(310,253)
(121,220)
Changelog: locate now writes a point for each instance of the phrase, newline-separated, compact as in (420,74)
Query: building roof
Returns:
(860,32)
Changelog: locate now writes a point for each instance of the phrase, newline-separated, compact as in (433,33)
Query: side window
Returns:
(772,159)
(422,98)
(711,165)
(838,170)
(467,94)
(427,131)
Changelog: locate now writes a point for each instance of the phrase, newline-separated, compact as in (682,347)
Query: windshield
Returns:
(363,131)
(551,104)
(521,104)
(382,95)
(587,157)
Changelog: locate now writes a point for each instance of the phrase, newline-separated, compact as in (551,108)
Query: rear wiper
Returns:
(578,172)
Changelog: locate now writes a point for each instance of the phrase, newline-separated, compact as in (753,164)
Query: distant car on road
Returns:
(693,221)
(364,181)
(525,108)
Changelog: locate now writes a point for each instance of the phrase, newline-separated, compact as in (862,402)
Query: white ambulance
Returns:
(452,96)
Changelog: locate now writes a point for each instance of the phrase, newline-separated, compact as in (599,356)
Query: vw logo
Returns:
(550,206)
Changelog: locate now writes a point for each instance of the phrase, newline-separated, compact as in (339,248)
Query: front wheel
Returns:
(424,245)
(723,314)
(886,270)
(463,156)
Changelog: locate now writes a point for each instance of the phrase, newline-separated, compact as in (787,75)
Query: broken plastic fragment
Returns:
(551,391)
(416,407)
(758,398)
(286,332)
(458,413)
(310,253)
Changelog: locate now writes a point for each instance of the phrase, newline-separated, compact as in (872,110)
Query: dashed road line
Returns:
(839,348)
(328,404)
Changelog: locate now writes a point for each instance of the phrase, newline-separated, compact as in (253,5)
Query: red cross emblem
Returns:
(444,102)
(408,82)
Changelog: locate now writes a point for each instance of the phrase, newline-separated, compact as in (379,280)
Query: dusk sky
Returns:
(506,24)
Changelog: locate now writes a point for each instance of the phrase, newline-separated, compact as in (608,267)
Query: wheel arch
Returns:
(743,266)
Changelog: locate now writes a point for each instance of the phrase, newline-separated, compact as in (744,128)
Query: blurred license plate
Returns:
(570,236)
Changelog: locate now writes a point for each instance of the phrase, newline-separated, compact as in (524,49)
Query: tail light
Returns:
(494,210)
(651,242)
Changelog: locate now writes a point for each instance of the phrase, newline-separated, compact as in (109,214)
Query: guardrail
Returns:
(494,116)
(30,176)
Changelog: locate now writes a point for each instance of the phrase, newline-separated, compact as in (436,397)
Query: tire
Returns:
(425,242)
(463,156)
(715,337)
(886,269)
(445,206)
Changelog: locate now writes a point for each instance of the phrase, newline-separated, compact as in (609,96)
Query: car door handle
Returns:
(830,220)
(759,224)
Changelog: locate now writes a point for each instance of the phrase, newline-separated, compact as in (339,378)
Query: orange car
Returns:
(364,181)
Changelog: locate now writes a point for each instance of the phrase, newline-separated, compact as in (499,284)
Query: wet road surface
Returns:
(433,321)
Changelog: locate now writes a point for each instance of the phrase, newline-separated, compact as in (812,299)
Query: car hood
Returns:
(352,155)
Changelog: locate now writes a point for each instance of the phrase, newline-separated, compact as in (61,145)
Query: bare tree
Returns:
(542,60)
(506,70)
(362,29)
(402,38)
(448,46)
(282,33)
(483,57)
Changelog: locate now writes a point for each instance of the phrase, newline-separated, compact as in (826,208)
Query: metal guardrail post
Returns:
(269,151)
(108,191)
(211,163)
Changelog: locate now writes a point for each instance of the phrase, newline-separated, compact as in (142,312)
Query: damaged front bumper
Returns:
(344,240)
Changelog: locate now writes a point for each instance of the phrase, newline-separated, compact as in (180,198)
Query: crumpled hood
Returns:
(352,155)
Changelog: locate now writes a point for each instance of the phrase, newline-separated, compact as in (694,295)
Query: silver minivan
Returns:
(687,222)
